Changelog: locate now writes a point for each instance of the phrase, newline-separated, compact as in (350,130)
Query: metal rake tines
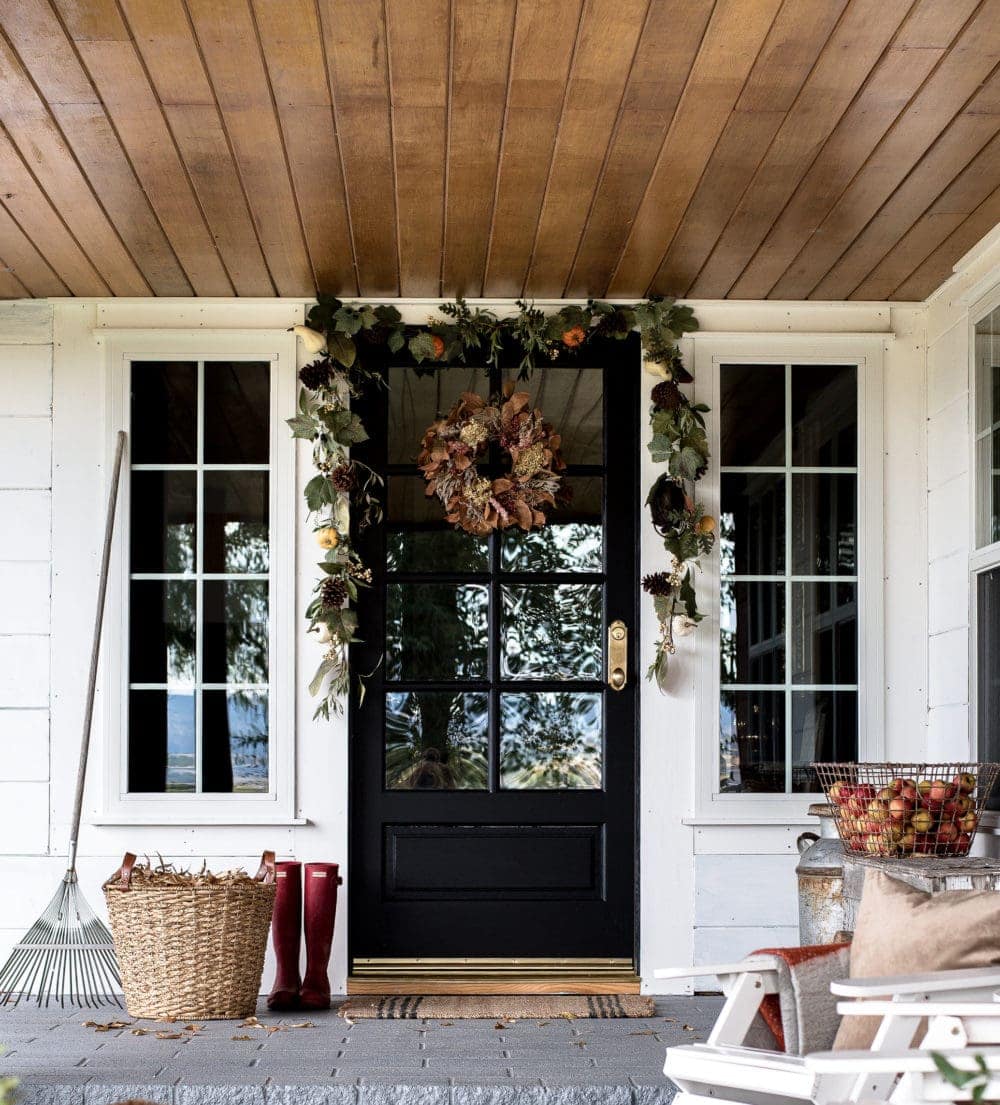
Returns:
(66,955)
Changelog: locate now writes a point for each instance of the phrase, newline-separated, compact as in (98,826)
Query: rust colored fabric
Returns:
(770,1007)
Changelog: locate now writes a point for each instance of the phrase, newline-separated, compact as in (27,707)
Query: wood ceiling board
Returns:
(35,32)
(955,204)
(354,40)
(480,65)
(418,34)
(609,35)
(163,35)
(139,120)
(667,50)
(871,264)
(227,36)
(854,48)
(93,20)
(546,33)
(933,272)
(28,205)
(735,35)
(957,78)
(10,286)
(30,269)
(291,40)
(793,44)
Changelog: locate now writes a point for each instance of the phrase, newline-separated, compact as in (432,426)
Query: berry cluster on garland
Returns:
(339,334)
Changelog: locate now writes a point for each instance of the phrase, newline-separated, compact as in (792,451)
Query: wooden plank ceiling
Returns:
(784,149)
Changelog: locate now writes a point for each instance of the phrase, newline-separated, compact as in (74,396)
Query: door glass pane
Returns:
(572,399)
(418,396)
(987,358)
(162,529)
(235,641)
(234,742)
(161,631)
(752,415)
(161,741)
(236,522)
(551,631)
(752,524)
(988,670)
(752,742)
(436,631)
(825,513)
(571,541)
(237,412)
(824,633)
(418,539)
(164,412)
(825,415)
(752,625)
(824,728)
(436,740)
(551,740)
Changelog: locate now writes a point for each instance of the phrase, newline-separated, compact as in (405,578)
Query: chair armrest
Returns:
(898,1062)
(745,966)
(970,978)
(949,1007)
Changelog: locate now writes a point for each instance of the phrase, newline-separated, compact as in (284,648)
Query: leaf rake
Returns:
(68,953)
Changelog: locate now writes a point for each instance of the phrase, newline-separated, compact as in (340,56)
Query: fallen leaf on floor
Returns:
(170,1035)
(688,1027)
(242,1037)
(568,1016)
(167,1020)
(580,1043)
(140,1031)
(542,1024)
(109,1026)
(670,1020)
(645,1032)
(194,1027)
(302,1024)
(446,1024)
(500,1024)
(251,1022)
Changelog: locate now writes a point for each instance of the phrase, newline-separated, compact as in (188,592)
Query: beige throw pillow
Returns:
(904,931)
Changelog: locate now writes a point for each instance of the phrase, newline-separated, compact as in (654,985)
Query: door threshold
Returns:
(425,975)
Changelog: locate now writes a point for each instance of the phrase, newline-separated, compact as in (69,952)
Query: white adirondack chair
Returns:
(725,1071)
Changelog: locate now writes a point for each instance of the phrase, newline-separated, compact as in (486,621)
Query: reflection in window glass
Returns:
(551,631)
(436,740)
(164,428)
(825,633)
(435,631)
(824,415)
(418,396)
(571,541)
(418,539)
(161,741)
(572,398)
(752,524)
(162,529)
(162,650)
(824,728)
(752,742)
(236,522)
(237,417)
(235,631)
(752,415)
(551,740)
(752,627)
(987,360)
(825,512)
(988,670)
(234,742)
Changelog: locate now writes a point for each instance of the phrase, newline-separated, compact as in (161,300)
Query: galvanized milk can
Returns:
(821,881)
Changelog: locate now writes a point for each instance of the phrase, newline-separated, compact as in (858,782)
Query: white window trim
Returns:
(867,352)
(988,557)
(277,806)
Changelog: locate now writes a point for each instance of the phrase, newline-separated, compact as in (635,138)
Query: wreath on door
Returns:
(453,447)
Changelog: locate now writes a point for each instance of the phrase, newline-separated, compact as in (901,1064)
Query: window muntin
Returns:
(986,342)
(199,626)
(788,573)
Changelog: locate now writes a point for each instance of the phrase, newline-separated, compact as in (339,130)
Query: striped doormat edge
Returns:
(501,1007)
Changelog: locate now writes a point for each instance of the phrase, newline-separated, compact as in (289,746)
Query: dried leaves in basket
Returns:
(167,874)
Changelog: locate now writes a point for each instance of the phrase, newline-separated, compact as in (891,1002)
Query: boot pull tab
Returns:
(266,871)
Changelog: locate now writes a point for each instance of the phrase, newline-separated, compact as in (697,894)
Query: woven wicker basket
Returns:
(191,951)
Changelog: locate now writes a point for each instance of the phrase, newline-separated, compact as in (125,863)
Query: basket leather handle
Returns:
(124,873)
(266,871)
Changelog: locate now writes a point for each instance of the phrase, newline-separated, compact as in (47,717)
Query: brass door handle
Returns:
(617,655)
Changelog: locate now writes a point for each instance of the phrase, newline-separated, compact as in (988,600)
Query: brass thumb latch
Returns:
(617,655)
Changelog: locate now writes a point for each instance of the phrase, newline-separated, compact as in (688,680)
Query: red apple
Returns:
(968,823)
(898,784)
(900,808)
(909,791)
(947,832)
(964,804)
(875,845)
(906,841)
(856,843)
(923,786)
(878,810)
(965,782)
(840,792)
(865,790)
(940,791)
(963,844)
(886,794)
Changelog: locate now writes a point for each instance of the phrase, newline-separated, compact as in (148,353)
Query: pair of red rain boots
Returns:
(321,882)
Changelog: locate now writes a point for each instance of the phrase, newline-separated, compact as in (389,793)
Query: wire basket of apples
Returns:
(893,809)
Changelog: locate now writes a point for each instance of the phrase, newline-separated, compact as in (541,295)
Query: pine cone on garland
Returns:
(333,592)
(317,375)
(667,396)
(343,478)
(657,584)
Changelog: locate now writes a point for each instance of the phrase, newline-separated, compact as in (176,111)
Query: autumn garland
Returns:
(338,335)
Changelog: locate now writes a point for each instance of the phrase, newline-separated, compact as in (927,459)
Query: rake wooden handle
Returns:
(95,650)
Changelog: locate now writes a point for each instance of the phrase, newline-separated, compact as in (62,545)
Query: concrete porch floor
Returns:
(555,1062)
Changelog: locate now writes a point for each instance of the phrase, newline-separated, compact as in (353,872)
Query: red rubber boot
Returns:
(286,936)
(322,880)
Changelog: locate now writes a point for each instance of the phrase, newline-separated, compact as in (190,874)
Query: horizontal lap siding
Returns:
(25,587)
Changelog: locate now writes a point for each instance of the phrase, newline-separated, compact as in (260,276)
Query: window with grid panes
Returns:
(199,577)
(788,573)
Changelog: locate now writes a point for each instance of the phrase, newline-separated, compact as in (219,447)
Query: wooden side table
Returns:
(928,873)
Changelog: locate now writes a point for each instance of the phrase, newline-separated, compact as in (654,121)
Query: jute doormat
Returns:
(501,1007)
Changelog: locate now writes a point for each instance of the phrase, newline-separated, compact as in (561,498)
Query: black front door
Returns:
(493,767)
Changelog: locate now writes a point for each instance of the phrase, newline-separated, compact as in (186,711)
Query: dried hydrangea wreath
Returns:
(339,335)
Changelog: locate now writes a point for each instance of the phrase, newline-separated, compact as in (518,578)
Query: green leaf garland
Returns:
(324,417)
